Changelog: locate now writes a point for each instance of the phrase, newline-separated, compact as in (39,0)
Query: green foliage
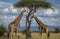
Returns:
(57,30)
(2,30)
(36,4)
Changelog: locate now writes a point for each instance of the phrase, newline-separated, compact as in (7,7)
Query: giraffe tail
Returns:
(48,34)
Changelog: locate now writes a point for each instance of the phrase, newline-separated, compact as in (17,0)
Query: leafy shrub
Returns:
(57,30)
(2,30)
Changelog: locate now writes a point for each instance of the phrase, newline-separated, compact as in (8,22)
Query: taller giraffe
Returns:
(15,24)
(41,26)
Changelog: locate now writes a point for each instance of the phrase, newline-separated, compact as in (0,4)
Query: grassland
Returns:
(35,35)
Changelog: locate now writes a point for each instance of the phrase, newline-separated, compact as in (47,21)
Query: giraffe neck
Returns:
(38,21)
(19,17)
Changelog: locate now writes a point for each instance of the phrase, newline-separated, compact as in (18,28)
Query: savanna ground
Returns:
(34,35)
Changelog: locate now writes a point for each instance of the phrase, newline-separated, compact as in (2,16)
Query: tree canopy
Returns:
(35,3)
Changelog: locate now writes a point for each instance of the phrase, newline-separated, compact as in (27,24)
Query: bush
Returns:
(2,30)
(57,30)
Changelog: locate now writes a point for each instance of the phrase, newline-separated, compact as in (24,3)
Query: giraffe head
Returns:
(25,9)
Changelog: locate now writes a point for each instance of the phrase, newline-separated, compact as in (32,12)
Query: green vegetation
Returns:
(2,29)
(34,3)
(57,30)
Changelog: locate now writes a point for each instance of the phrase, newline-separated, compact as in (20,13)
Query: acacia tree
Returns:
(30,4)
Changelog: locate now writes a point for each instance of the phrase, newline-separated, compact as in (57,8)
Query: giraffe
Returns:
(41,26)
(15,24)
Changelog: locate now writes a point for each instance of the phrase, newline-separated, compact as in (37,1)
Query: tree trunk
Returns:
(28,23)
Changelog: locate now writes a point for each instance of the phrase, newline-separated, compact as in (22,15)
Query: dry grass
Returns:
(35,36)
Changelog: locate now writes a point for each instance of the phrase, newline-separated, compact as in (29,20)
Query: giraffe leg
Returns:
(47,32)
(16,31)
(11,34)
(41,31)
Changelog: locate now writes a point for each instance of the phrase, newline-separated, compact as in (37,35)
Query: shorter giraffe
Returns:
(42,26)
